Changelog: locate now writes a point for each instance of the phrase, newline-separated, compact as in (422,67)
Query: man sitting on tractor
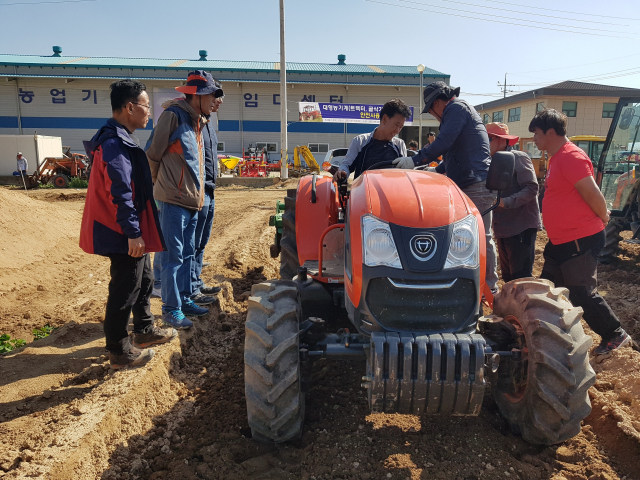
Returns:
(380,147)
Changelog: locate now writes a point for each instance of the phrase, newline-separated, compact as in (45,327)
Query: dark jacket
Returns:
(210,158)
(520,211)
(119,203)
(464,144)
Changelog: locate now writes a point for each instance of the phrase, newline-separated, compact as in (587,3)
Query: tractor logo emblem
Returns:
(423,247)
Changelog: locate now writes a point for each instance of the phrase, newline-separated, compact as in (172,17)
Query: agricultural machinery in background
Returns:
(60,171)
(619,176)
(392,272)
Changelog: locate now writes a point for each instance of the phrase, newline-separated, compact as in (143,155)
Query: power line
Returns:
(575,66)
(496,21)
(563,11)
(520,12)
(42,3)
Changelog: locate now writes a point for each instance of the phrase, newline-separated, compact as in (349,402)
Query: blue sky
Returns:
(476,53)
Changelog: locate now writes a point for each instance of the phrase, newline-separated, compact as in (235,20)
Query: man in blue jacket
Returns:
(464,144)
(120,221)
(199,291)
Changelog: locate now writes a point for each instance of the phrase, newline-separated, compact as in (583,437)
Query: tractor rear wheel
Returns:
(612,241)
(275,402)
(60,180)
(288,245)
(550,399)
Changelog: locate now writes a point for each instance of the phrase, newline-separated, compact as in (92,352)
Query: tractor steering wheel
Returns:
(381,165)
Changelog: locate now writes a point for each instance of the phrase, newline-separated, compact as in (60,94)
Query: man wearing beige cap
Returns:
(517,220)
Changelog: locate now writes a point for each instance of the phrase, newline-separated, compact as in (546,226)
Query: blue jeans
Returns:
(178,226)
(483,199)
(203,232)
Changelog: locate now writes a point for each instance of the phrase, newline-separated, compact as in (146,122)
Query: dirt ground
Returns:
(65,415)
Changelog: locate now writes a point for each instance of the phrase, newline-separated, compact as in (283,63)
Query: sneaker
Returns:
(155,337)
(191,309)
(133,358)
(210,290)
(156,293)
(205,264)
(608,346)
(200,299)
(176,319)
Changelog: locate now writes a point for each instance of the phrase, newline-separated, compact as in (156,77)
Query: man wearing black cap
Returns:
(464,144)
(175,152)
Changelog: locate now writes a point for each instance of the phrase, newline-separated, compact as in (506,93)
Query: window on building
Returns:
(539,107)
(608,110)
(498,116)
(485,118)
(570,108)
(319,147)
(271,147)
(514,114)
(221,146)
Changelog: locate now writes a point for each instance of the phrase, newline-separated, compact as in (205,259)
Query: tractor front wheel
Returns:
(60,181)
(546,397)
(275,402)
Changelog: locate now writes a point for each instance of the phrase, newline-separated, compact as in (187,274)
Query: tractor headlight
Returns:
(378,247)
(463,249)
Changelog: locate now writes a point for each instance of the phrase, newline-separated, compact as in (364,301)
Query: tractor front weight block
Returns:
(432,374)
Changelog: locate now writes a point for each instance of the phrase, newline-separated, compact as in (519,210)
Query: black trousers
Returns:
(129,292)
(517,254)
(574,265)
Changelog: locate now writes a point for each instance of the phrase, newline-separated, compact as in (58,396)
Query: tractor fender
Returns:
(313,218)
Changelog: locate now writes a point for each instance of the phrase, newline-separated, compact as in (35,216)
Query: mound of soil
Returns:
(31,227)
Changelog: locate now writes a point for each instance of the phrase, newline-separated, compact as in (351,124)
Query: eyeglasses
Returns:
(147,106)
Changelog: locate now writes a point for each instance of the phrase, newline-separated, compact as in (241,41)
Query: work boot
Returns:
(133,358)
(607,346)
(176,319)
(200,299)
(210,290)
(193,310)
(155,336)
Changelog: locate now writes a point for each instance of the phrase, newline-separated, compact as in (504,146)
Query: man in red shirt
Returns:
(575,214)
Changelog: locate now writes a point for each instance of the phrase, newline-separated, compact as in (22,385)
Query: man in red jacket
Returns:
(120,221)
(575,215)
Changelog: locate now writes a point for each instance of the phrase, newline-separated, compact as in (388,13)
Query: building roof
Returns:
(216,65)
(568,88)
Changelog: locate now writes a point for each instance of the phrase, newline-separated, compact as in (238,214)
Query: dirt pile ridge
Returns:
(31,227)
(65,415)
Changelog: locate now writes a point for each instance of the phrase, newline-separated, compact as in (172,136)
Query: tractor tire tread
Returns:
(555,400)
(275,402)
(289,261)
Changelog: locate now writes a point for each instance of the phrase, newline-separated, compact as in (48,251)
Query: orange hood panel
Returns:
(412,198)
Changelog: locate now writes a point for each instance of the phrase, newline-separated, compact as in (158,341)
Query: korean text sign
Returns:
(342,113)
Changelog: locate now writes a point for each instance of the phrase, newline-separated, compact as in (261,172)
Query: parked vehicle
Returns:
(619,176)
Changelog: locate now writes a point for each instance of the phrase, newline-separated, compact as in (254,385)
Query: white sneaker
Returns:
(156,293)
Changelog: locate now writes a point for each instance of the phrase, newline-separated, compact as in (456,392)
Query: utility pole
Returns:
(284,166)
(504,86)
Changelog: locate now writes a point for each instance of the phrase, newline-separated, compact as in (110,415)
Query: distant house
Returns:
(590,108)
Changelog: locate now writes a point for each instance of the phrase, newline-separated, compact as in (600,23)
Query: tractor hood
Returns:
(411,198)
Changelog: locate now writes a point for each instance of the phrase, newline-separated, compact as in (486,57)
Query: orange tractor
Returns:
(393,271)
(59,171)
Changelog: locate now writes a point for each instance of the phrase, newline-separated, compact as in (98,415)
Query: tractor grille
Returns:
(421,309)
